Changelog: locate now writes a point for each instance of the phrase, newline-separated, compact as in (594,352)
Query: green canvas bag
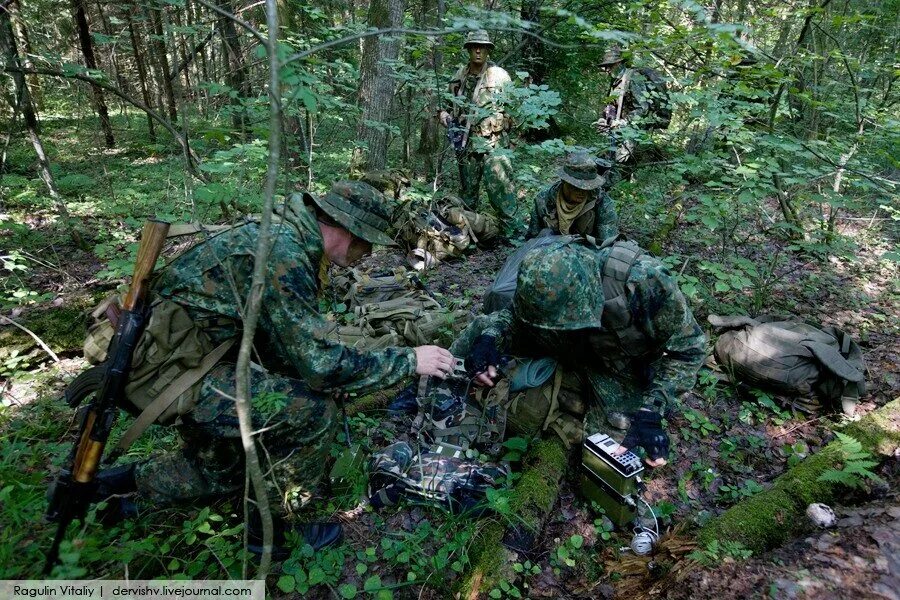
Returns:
(812,366)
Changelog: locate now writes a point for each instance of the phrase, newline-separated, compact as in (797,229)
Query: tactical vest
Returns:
(620,335)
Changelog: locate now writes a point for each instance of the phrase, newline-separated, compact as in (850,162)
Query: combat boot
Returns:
(317,535)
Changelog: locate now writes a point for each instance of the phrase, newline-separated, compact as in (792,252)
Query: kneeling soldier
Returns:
(619,328)
(198,301)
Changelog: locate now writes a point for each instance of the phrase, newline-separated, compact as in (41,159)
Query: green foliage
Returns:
(715,552)
(856,466)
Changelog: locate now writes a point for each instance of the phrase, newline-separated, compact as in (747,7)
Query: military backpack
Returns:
(812,367)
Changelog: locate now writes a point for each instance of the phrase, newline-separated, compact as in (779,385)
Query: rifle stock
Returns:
(74,489)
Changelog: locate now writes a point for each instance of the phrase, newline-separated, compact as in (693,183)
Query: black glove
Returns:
(483,354)
(646,431)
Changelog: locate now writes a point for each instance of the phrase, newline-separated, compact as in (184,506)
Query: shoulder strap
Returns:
(731,322)
(175,389)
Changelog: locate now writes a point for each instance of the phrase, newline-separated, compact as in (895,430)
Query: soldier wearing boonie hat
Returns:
(576,203)
(476,87)
(302,366)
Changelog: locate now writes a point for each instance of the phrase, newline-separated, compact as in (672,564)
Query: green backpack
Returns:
(811,366)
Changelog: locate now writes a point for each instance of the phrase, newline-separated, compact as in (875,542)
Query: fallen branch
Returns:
(773,516)
(33,335)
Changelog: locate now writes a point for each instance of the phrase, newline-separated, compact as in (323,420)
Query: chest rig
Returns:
(620,334)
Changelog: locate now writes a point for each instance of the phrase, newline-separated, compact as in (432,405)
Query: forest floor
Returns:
(727,445)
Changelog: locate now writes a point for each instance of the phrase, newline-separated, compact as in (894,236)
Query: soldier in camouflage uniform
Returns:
(576,204)
(615,319)
(480,127)
(634,95)
(297,419)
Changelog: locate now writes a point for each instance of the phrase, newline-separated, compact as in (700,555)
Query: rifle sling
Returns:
(169,395)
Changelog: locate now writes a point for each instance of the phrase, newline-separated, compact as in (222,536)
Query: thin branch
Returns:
(192,159)
(423,32)
(255,294)
(250,28)
(40,342)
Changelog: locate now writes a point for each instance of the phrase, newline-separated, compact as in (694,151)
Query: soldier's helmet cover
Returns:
(560,288)
(359,208)
(479,37)
(581,170)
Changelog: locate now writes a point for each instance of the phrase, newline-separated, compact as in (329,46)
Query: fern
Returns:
(856,465)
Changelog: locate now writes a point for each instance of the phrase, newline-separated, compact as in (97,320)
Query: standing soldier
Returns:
(577,203)
(637,96)
(477,127)
(198,304)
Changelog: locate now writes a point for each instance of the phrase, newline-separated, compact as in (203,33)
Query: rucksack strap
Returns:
(832,360)
(180,385)
(731,322)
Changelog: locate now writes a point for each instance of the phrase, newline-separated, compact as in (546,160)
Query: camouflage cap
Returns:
(479,37)
(559,288)
(580,170)
(360,208)
(612,56)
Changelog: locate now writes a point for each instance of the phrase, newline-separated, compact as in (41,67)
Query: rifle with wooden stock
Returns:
(75,488)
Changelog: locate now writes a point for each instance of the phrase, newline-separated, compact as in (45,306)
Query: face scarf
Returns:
(567,213)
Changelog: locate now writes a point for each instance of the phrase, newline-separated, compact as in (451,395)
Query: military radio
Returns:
(612,481)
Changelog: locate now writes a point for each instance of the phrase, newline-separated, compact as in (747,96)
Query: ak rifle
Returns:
(75,487)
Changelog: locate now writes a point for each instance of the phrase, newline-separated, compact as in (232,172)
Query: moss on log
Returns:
(773,516)
(532,499)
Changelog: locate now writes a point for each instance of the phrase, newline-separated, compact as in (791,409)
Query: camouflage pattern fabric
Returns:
(444,227)
(211,280)
(480,162)
(652,371)
(211,277)
(398,472)
(495,170)
(299,427)
(599,220)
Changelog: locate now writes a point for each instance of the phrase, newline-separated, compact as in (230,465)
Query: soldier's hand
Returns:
(434,361)
(486,378)
(646,431)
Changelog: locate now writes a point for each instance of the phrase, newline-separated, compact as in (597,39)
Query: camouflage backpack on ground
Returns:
(442,229)
(458,424)
(391,310)
(812,367)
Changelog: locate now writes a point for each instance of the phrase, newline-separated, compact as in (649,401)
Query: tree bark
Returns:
(142,74)
(236,70)
(376,85)
(34,84)
(23,101)
(162,62)
(533,59)
(430,133)
(87,50)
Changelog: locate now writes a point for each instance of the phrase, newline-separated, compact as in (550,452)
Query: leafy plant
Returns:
(856,466)
(715,552)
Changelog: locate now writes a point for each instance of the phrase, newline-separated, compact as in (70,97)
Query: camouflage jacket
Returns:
(212,279)
(638,87)
(672,349)
(480,94)
(598,217)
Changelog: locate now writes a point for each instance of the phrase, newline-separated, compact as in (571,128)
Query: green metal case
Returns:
(610,481)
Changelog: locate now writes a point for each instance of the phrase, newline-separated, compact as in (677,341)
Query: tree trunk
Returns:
(34,83)
(182,48)
(376,85)
(23,101)
(142,74)
(430,133)
(236,70)
(87,49)
(162,61)
(772,516)
(533,59)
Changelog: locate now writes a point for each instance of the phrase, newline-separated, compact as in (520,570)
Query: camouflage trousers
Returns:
(299,426)
(495,170)
(576,403)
